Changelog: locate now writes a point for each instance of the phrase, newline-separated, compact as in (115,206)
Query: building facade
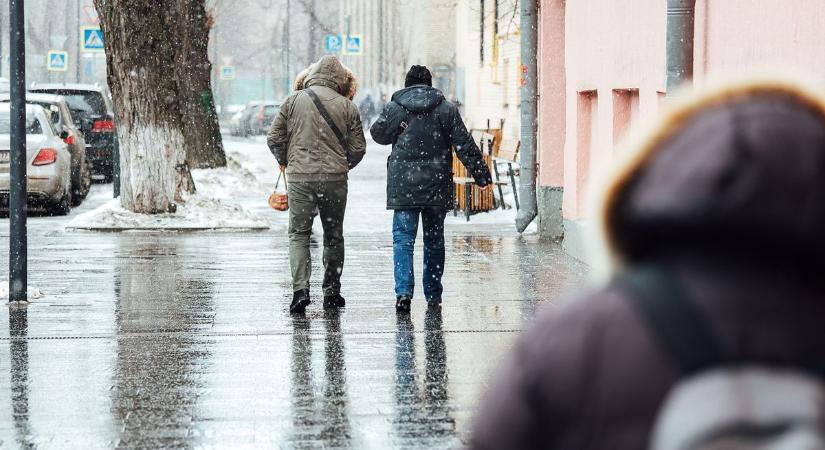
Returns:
(602,70)
(397,34)
(488,64)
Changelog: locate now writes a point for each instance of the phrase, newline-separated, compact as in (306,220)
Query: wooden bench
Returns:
(507,153)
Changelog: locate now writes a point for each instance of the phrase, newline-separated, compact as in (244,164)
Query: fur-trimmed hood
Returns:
(738,168)
(331,72)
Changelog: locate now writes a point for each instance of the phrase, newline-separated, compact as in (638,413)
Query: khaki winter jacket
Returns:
(300,138)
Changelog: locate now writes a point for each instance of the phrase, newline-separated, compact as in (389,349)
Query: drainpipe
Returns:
(529,113)
(680,26)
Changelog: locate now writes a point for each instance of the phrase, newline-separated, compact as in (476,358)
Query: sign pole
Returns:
(17,155)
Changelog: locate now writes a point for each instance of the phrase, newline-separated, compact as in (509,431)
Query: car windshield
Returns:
(32,124)
(83,102)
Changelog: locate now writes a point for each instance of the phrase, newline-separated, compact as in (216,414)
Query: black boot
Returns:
(402,304)
(300,300)
(334,301)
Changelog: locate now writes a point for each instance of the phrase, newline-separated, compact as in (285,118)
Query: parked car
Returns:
(63,122)
(235,128)
(92,109)
(49,163)
(263,116)
(4,85)
(240,125)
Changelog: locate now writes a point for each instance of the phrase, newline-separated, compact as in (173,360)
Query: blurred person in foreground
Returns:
(423,127)
(714,226)
(317,139)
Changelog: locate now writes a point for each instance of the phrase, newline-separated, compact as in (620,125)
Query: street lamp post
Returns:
(17,155)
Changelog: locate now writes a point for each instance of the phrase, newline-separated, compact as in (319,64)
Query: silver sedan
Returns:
(48,162)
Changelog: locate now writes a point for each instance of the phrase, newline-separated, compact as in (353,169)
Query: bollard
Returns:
(17,155)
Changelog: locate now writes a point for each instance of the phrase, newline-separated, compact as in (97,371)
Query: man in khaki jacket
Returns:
(318,138)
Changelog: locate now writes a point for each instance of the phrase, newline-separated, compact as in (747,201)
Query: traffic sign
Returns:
(354,45)
(333,43)
(227,73)
(91,14)
(91,40)
(57,61)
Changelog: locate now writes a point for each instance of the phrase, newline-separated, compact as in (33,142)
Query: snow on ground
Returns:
(220,203)
(196,213)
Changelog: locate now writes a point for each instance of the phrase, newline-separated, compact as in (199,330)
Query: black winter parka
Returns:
(419,169)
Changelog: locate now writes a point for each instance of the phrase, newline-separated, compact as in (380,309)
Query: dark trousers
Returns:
(331,200)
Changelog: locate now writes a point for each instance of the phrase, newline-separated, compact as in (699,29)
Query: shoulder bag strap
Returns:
(327,118)
(678,325)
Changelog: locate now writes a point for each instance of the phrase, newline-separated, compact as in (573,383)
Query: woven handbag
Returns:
(279,200)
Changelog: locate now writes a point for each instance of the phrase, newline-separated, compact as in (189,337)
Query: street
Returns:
(165,339)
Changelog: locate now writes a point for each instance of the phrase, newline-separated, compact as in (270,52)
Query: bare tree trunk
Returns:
(142,45)
(201,132)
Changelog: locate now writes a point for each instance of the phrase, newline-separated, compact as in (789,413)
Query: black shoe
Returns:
(334,301)
(434,302)
(402,304)
(300,300)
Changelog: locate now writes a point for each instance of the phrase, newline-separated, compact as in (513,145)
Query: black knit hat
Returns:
(418,75)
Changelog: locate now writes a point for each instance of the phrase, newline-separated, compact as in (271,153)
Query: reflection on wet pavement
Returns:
(423,406)
(158,377)
(19,361)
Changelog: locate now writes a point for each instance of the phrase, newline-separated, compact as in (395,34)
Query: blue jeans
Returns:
(404,230)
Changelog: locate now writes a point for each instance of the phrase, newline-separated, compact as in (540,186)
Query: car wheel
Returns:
(64,206)
(77,197)
(86,180)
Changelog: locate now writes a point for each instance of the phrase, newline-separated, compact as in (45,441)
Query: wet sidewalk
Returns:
(184,339)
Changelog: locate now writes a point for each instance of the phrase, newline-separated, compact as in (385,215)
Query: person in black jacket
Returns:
(423,129)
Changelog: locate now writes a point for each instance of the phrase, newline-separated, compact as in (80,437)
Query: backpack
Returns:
(719,402)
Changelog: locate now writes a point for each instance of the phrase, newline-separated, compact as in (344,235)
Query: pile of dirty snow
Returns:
(214,206)
(196,213)
(231,182)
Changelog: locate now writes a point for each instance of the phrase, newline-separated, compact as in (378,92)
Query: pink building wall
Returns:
(736,34)
(614,71)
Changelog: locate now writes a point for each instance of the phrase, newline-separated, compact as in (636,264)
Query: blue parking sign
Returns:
(333,43)
(91,40)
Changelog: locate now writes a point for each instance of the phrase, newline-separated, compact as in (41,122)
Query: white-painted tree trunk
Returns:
(144,64)
(149,161)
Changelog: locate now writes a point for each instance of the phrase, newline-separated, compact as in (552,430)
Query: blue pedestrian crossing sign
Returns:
(227,73)
(354,45)
(91,40)
(333,43)
(57,61)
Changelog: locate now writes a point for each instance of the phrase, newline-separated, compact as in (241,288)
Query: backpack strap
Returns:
(327,118)
(678,325)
